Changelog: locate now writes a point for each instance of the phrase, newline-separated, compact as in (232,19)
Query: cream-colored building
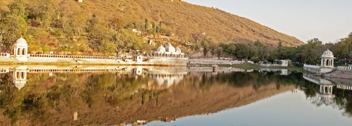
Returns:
(169,51)
(21,49)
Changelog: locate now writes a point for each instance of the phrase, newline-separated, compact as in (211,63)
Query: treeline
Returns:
(309,53)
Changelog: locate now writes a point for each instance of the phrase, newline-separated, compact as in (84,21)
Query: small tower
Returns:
(21,49)
(327,59)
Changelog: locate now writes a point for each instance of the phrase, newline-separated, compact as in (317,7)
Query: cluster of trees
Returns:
(309,53)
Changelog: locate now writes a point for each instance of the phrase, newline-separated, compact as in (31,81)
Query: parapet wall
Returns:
(344,68)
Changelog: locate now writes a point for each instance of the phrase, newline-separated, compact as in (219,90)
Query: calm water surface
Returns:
(157,96)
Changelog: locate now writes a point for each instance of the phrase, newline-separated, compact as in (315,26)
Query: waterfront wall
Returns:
(92,60)
(311,68)
(214,62)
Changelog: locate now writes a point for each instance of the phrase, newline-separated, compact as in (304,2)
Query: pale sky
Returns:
(328,20)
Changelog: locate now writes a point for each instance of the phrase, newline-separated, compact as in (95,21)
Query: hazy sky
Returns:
(328,20)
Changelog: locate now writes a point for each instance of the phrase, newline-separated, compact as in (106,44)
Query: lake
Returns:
(158,96)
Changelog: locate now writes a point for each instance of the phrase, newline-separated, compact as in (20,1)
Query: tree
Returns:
(107,47)
(44,11)
(242,51)
(213,48)
(219,51)
(261,50)
(146,25)
(125,40)
(117,24)
(206,45)
(14,24)
(232,50)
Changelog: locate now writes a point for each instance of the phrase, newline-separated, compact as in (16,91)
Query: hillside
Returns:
(99,25)
(188,19)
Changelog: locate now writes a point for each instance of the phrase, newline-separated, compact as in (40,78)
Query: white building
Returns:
(327,64)
(138,58)
(135,31)
(20,76)
(20,50)
(327,59)
(169,51)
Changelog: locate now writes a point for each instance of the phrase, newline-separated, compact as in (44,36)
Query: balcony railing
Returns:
(73,56)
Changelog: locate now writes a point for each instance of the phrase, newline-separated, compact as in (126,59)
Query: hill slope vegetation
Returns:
(95,25)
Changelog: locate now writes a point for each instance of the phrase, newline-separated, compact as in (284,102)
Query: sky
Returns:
(328,20)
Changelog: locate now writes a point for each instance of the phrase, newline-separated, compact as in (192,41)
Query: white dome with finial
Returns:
(161,49)
(170,48)
(21,42)
(327,54)
(178,50)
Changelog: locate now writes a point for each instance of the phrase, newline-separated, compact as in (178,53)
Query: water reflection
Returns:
(331,92)
(107,95)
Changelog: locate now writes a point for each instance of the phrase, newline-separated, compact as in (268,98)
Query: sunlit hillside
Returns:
(186,22)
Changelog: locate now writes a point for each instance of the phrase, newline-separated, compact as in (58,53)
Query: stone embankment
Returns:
(214,62)
(91,60)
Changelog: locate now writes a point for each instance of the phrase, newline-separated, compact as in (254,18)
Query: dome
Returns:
(161,49)
(178,50)
(170,48)
(327,54)
(21,41)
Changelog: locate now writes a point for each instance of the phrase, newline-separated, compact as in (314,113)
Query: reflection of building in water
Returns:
(20,72)
(284,72)
(344,87)
(138,70)
(20,76)
(164,79)
(325,94)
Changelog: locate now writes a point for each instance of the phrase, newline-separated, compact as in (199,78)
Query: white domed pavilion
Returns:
(20,49)
(161,49)
(178,50)
(327,59)
(169,48)
(169,51)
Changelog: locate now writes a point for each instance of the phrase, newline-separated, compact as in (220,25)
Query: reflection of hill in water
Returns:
(117,97)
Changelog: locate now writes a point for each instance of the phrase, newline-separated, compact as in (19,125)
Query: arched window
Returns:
(22,75)
(18,51)
(17,75)
(23,51)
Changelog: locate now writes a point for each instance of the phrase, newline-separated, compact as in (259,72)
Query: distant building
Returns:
(135,31)
(150,42)
(138,58)
(168,51)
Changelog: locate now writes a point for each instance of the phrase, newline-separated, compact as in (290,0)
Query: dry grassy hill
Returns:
(185,20)
(188,19)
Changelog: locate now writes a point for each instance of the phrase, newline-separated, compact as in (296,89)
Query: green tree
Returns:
(242,51)
(219,51)
(14,24)
(117,24)
(146,24)
(206,45)
(44,11)
(107,47)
